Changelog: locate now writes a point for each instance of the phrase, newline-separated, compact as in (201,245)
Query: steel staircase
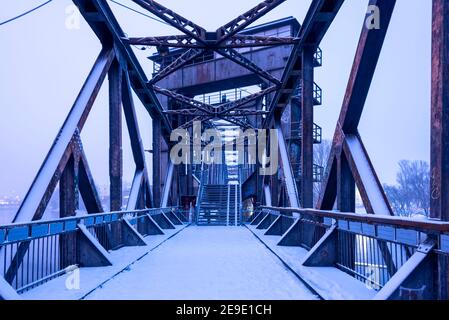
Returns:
(219,200)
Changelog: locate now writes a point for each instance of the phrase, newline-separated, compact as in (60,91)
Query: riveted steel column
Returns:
(307,127)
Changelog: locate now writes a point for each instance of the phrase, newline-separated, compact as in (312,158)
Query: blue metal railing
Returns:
(35,252)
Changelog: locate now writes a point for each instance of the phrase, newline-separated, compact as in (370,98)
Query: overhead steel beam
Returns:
(236,41)
(177,41)
(100,18)
(247,41)
(244,20)
(175,20)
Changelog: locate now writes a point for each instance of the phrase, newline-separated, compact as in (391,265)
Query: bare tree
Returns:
(412,192)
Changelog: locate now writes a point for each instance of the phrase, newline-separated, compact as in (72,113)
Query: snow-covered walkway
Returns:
(207,263)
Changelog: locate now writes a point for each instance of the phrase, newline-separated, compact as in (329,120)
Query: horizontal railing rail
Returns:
(38,251)
(429,226)
(371,248)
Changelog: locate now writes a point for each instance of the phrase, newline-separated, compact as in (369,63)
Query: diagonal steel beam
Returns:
(230,106)
(241,60)
(132,124)
(101,19)
(244,20)
(36,200)
(87,187)
(177,21)
(180,62)
(318,20)
(135,191)
(204,107)
(364,66)
(366,58)
(365,176)
(287,168)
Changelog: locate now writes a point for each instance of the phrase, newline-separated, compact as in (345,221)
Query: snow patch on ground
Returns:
(329,282)
(208,263)
(90,278)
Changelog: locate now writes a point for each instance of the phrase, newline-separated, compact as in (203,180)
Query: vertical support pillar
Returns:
(439,199)
(307,127)
(68,204)
(115,147)
(345,186)
(156,162)
(439,205)
(115,136)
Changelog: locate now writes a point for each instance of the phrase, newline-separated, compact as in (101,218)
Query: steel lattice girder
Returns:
(244,20)
(236,41)
(177,21)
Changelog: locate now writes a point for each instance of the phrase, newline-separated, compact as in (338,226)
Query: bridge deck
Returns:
(197,263)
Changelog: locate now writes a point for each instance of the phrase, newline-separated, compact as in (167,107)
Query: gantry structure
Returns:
(205,76)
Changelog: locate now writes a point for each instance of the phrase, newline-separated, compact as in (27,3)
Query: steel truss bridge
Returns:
(200,76)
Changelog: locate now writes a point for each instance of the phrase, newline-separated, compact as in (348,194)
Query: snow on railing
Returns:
(385,252)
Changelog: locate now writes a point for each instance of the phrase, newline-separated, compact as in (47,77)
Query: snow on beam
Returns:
(36,200)
(416,274)
(280,226)
(167,186)
(91,253)
(365,176)
(324,253)
(7,292)
(267,194)
(135,190)
(287,169)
